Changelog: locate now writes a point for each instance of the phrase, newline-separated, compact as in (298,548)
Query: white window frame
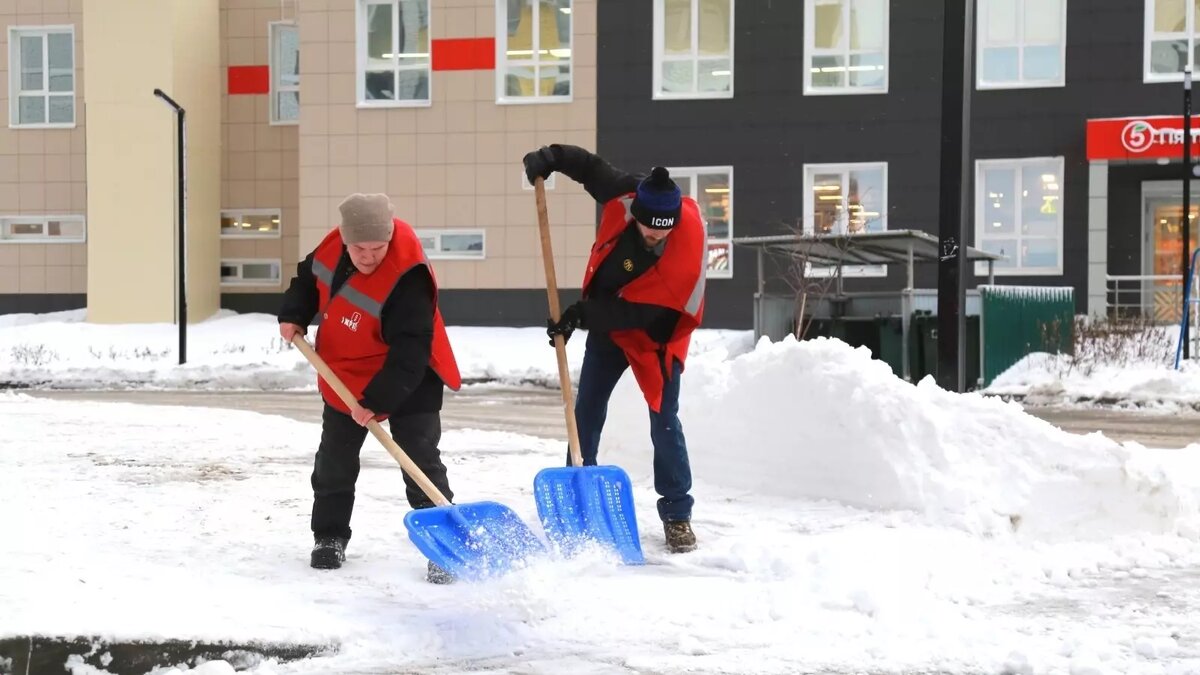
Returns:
(277,88)
(1020,45)
(810,50)
(693,173)
(240,213)
(503,62)
(1149,36)
(7,237)
(981,202)
(240,264)
(360,57)
(438,254)
(809,227)
(659,57)
(14,76)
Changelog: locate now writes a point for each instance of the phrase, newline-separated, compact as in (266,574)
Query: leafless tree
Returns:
(808,281)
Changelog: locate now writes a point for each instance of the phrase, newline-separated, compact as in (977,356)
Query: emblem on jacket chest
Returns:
(351,321)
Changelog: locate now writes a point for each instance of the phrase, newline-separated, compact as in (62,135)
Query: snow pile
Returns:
(820,420)
(1048,379)
(244,351)
(227,351)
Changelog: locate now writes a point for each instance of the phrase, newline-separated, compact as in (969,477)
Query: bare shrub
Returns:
(33,355)
(806,284)
(1112,342)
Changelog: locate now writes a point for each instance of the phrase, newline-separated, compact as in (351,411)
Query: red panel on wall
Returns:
(464,54)
(249,79)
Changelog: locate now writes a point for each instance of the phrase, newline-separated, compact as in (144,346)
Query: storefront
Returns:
(1135,214)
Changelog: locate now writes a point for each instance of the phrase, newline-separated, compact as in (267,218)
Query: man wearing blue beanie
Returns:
(643,295)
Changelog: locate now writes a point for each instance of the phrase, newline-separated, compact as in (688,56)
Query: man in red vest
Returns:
(643,295)
(382,334)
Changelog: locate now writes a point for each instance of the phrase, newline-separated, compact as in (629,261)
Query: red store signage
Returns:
(1140,138)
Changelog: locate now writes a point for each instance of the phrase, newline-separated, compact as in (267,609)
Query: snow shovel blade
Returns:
(472,541)
(579,504)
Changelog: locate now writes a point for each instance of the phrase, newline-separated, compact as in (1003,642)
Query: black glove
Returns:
(572,318)
(539,163)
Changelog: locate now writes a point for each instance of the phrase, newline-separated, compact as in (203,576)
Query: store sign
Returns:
(1140,138)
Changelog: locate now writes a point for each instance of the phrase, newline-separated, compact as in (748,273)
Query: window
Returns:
(1018,214)
(453,244)
(250,224)
(1170,39)
(846,199)
(41,77)
(1022,43)
(693,48)
(846,46)
(285,72)
(533,52)
(393,53)
(712,188)
(43,229)
(251,272)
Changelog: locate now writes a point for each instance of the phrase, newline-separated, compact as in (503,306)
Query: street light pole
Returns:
(1187,203)
(181,169)
(954,180)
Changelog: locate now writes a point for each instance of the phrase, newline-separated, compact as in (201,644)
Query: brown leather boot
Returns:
(680,538)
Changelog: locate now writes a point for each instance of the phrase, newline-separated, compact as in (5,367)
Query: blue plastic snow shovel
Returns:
(581,505)
(470,541)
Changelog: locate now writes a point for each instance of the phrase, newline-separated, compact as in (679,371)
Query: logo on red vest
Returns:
(351,321)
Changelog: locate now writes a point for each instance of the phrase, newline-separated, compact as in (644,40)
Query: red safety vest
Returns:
(350,338)
(676,281)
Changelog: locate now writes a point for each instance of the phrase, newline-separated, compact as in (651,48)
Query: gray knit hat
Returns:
(366,218)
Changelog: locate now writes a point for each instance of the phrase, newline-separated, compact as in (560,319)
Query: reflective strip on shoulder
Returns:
(322,272)
(360,300)
(697,296)
(627,202)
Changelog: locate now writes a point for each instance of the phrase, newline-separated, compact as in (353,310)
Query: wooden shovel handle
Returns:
(560,345)
(388,442)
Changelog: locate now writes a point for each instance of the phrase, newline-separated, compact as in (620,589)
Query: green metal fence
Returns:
(1020,320)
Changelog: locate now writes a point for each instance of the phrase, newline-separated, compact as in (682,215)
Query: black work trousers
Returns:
(336,468)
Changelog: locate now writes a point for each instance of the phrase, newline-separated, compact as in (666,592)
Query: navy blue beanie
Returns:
(658,201)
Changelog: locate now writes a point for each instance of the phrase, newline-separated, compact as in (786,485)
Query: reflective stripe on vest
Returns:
(360,300)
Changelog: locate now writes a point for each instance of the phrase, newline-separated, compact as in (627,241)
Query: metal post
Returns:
(759,297)
(906,310)
(181,197)
(1187,201)
(954,180)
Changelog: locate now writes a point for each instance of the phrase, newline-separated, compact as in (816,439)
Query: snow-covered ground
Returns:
(244,351)
(848,522)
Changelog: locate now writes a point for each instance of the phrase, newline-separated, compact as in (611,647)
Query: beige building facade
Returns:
(290,106)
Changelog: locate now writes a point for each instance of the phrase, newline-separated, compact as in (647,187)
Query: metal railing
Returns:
(1157,298)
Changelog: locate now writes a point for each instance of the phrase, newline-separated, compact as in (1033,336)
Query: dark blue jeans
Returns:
(603,365)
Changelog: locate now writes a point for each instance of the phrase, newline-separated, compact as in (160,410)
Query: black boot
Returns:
(680,538)
(328,553)
(437,575)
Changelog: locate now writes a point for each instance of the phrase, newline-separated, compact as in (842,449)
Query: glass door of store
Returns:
(1162,246)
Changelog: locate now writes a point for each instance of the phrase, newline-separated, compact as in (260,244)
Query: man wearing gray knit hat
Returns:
(381,332)
(366,218)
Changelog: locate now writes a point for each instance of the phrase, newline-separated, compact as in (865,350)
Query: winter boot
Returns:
(680,538)
(437,575)
(328,553)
